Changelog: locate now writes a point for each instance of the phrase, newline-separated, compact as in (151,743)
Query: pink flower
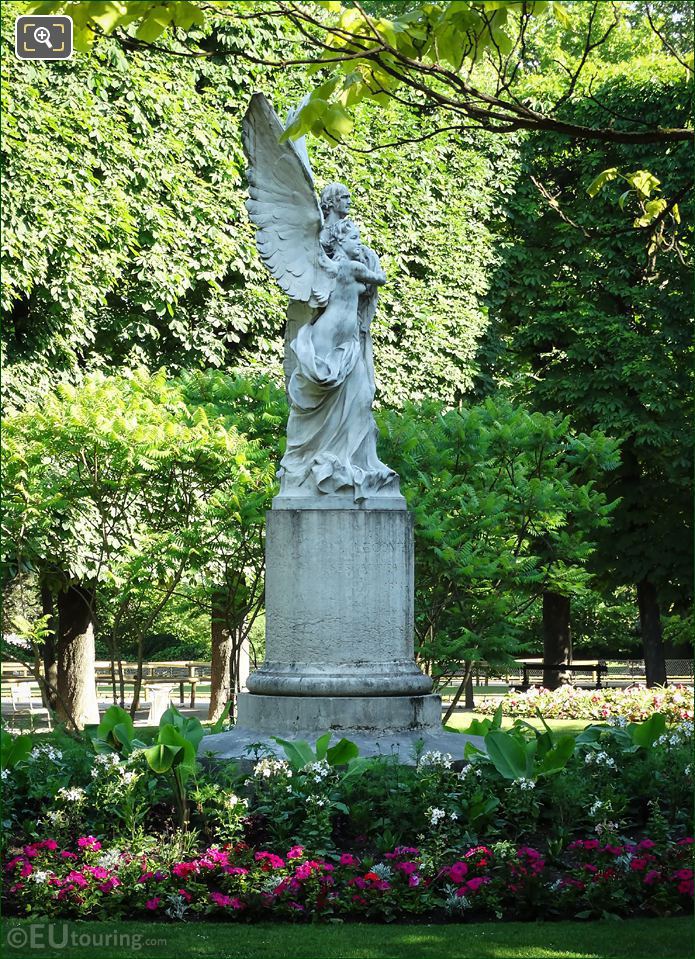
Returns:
(476,882)
(269,860)
(651,877)
(458,871)
(68,855)
(220,899)
(77,878)
(185,893)
(223,901)
(347,859)
(478,849)
(31,851)
(152,904)
(48,844)
(646,844)
(686,887)
(26,870)
(613,850)
(88,842)
(688,841)
(531,853)
(413,880)
(236,871)
(184,869)
(98,872)
(683,874)
(296,852)
(638,864)
(407,867)
(110,884)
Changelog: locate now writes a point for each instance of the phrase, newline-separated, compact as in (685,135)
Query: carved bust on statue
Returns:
(313,250)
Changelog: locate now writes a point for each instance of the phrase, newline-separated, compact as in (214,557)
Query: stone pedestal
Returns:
(339,605)
(339,638)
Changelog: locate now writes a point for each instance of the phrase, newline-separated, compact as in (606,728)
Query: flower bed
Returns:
(634,704)
(589,878)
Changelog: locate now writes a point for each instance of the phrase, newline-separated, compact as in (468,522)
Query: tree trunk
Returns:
(77,692)
(468,672)
(557,639)
(650,628)
(469,698)
(49,687)
(222,671)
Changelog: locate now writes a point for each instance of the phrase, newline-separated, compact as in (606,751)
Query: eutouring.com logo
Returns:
(58,935)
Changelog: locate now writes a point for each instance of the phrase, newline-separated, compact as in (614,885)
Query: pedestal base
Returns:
(280,715)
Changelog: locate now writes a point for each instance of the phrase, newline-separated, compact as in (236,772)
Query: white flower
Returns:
(688,771)
(75,794)
(233,800)
(599,759)
(5,774)
(129,777)
(470,768)
(269,766)
(109,858)
(104,762)
(318,770)
(435,758)
(45,749)
(39,876)
(435,815)
(596,807)
(523,783)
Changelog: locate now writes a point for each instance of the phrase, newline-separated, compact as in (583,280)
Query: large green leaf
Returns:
(160,757)
(299,753)
(507,753)
(645,734)
(343,751)
(557,757)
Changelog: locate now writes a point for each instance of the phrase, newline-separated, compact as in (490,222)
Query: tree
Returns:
(143,254)
(588,323)
(465,60)
(121,482)
(506,506)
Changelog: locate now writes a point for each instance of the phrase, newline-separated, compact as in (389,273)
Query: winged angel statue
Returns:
(314,252)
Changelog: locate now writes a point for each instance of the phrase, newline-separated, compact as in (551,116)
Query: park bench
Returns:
(595,669)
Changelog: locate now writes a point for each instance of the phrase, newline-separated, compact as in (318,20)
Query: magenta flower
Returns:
(407,867)
(152,904)
(236,871)
(296,852)
(89,842)
(273,861)
(651,877)
(347,859)
(184,869)
(185,893)
(220,899)
(476,882)
(458,871)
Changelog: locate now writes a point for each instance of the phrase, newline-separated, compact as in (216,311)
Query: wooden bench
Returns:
(595,668)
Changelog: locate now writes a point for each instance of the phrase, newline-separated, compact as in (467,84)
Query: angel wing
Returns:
(283,206)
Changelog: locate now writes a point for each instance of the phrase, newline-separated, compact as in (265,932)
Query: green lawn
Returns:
(629,939)
(461,721)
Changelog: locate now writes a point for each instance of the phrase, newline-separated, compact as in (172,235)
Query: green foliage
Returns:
(121,484)
(143,254)
(586,323)
(15,749)
(505,505)
(299,753)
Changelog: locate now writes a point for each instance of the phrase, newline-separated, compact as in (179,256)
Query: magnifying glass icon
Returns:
(43,35)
